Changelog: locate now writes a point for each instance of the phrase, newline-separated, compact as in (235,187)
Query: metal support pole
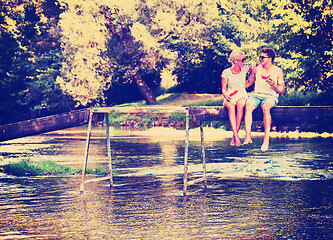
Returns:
(187,127)
(109,148)
(84,168)
(203,155)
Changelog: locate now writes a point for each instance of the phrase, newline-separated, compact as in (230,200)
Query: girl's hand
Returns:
(228,98)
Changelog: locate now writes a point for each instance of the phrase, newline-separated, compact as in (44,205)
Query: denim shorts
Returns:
(259,100)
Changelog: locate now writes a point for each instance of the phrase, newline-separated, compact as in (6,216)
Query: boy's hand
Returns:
(270,82)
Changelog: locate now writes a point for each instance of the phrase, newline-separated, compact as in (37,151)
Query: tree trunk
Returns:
(124,39)
(145,90)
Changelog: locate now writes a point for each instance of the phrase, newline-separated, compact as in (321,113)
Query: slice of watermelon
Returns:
(265,77)
(233,93)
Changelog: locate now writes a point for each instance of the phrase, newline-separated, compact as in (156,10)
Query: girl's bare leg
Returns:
(235,141)
(240,112)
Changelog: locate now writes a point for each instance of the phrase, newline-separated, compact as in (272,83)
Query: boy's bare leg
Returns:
(266,110)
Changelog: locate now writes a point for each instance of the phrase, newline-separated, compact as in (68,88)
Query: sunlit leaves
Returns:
(314,43)
(176,36)
(162,33)
(168,78)
(84,44)
(301,33)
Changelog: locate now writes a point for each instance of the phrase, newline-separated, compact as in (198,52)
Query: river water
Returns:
(284,193)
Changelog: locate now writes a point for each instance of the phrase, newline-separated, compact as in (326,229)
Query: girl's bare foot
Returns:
(232,143)
(238,143)
(235,141)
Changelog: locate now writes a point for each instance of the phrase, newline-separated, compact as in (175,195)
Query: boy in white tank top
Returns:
(269,83)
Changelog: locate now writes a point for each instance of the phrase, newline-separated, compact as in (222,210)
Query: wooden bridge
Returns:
(280,114)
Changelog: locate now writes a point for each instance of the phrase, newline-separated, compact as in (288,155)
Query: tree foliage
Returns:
(55,52)
(83,30)
(143,37)
(300,31)
(29,60)
(187,42)
(314,43)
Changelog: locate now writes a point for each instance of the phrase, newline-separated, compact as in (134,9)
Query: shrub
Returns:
(301,98)
(27,168)
(22,168)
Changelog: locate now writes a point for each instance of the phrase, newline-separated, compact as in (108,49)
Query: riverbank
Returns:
(174,120)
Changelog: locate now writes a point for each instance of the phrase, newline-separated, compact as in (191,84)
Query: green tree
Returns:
(85,72)
(29,60)
(14,62)
(300,31)
(13,70)
(143,37)
(252,25)
(314,44)
(39,32)
(192,37)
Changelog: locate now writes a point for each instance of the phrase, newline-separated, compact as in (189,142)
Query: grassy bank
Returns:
(25,167)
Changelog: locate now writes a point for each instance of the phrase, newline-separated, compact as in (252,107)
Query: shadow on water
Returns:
(285,193)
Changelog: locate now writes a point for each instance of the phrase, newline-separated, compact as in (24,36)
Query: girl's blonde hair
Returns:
(235,54)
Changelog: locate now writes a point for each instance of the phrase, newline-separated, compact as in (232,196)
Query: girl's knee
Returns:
(229,105)
(241,103)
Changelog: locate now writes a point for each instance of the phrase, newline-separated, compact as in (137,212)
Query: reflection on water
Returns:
(285,193)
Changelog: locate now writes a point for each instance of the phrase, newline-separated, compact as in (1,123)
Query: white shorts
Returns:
(237,96)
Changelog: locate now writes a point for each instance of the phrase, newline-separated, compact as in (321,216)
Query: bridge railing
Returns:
(202,114)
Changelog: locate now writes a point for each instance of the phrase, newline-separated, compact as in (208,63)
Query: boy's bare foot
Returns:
(265,146)
(247,141)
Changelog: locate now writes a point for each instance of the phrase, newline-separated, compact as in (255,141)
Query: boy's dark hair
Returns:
(270,53)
